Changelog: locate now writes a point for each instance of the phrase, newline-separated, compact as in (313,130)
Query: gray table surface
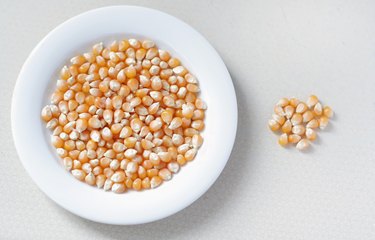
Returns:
(272,49)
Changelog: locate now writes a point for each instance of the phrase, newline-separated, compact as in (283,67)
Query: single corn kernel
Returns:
(273,125)
(310,134)
(155,181)
(311,101)
(289,111)
(298,129)
(279,119)
(287,127)
(314,123)
(323,122)
(307,116)
(294,138)
(190,154)
(283,102)
(165,174)
(296,119)
(327,112)
(318,109)
(302,144)
(301,108)
(283,139)
(294,102)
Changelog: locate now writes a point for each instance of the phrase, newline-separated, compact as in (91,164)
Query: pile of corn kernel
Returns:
(126,116)
(297,121)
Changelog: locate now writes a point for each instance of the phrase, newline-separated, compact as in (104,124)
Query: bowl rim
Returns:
(18,135)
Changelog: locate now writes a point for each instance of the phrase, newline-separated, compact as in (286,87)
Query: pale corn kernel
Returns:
(68,163)
(279,119)
(165,174)
(311,101)
(129,182)
(181,159)
(156,61)
(327,111)
(197,124)
(279,111)
(298,129)
(289,111)
(137,184)
(156,124)
(301,108)
(146,183)
(303,144)
(136,124)
(307,116)
(323,122)
(174,167)
(95,136)
(77,164)
(190,154)
(164,55)
(107,185)
(310,134)
(118,188)
(147,44)
(57,142)
(130,142)
(51,124)
(196,141)
(200,104)
(141,172)
(146,144)
(151,53)
(106,134)
(176,123)
(118,177)
(294,102)
(190,78)
(283,139)
(312,124)
(55,110)
(192,88)
(296,119)
(90,179)
(78,174)
(318,109)
(283,102)
(81,125)
(64,73)
(294,138)
(100,179)
(198,114)
(104,162)
(165,156)
(190,132)
(108,172)
(155,181)
(173,62)
(132,167)
(273,125)
(130,153)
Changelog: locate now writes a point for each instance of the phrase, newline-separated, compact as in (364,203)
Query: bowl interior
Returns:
(37,81)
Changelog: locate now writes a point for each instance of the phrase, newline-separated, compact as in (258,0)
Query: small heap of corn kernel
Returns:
(297,121)
(125,117)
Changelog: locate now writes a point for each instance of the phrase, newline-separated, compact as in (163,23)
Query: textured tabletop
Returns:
(272,49)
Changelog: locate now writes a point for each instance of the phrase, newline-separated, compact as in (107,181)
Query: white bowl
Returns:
(36,82)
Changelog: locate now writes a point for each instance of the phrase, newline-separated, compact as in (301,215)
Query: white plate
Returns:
(37,79)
